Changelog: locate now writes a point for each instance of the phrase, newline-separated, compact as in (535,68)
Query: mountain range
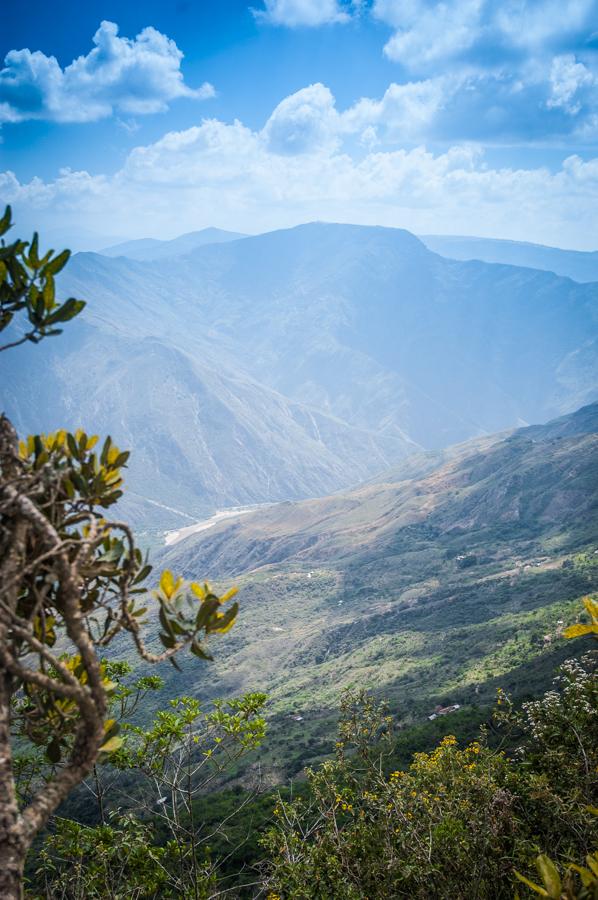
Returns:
(576,264)
(146,249)
(299,362)
(433,584)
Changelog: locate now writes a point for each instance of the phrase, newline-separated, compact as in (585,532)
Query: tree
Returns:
(457,822)
(153,843)
(71,580)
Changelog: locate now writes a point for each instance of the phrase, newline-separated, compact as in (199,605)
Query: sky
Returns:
(127,120)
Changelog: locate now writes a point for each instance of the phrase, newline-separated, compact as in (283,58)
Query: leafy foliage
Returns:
(175,760)
(117,860)
(457,820)
(27,285)
(564,888)
(71,580)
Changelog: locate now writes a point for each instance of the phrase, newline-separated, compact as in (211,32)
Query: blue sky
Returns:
(448,116)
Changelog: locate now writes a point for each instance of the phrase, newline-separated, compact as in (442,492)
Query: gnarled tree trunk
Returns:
(13,841)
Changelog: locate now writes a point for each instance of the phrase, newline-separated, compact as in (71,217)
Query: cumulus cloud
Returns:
(235,177)
(132,77)
(428,33)
(571,82)
(514,71)
(405,111)
(311,13)
(304,122)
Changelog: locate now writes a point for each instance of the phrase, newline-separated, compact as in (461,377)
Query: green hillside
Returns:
(430,587)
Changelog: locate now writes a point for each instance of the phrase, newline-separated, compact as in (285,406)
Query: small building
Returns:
(444,711)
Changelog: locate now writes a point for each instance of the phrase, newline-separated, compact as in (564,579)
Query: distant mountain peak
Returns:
(149,249)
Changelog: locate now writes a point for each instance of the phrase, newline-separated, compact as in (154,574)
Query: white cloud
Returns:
(304,122)
(568,80)
(233,177)
(132,77)
(484,32)
(532,24)
(404,112)
(426,33)
(311,13)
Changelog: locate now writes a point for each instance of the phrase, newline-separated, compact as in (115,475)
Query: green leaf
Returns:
(198,650)
(121,459)
(58,263)
(592,862)
(206,611)
(67,311)
(5,221)
(33,252)
(586,876)
(115,743)
(72,445)
(223,623)
(48,293)
(530,884)
(142,574)
(550,876)
(105,450)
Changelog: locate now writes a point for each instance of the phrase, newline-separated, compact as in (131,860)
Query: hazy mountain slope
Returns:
(368,323)
(537,478)
(302,361)
(576,264)
(202,436)
(149,248)
(435,589)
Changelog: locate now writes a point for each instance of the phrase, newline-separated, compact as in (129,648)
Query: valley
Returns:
(298,363)
(433,584)
(299,450)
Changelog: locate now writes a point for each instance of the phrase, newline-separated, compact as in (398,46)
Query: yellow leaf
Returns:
(113,479)
(550,876)
(225,628)
(115,743)
(229,594)
(530,884)
(592,608)
(197,590)
(578,630)
(92,441)
(167,582)
(168,585)
(592,862)
(112,455)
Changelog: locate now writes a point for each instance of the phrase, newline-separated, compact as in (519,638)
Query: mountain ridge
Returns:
(148,249)
(343,347)
(578,265)
(428,590)
(452,488)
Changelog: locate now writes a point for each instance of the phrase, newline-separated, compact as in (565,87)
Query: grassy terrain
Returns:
(429,589)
